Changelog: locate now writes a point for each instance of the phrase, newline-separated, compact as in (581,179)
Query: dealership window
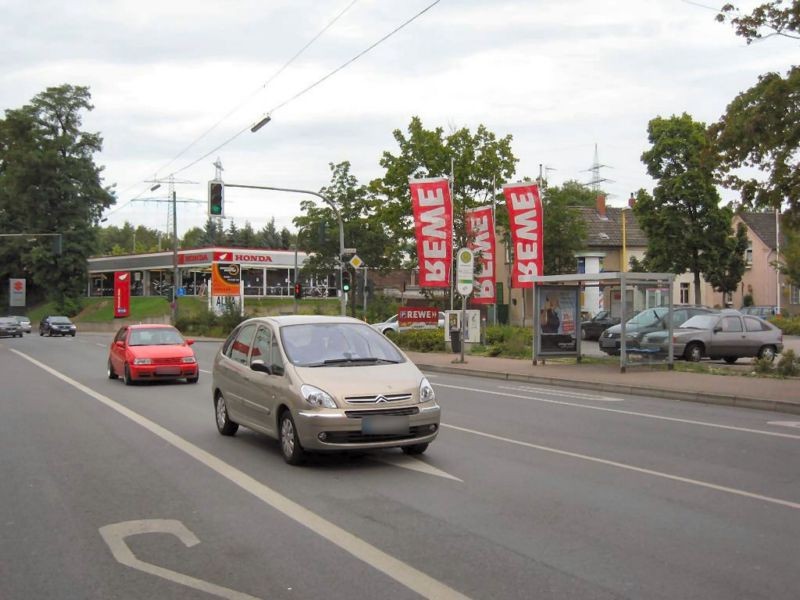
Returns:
(684,293)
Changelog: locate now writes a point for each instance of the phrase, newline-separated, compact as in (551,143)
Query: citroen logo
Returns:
(380,399)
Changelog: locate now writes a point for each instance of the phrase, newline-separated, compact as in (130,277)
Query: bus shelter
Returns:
(557,313)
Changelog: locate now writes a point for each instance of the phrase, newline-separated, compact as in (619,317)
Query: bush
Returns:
(789,325)
(763,366)
(788,364)
(505,340)
(420,340)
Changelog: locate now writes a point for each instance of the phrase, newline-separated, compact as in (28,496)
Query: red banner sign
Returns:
(408,316)
(480,230)
(433,225)
(525,221)
(122,294)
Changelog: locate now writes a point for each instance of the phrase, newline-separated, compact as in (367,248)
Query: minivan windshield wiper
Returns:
(353,360)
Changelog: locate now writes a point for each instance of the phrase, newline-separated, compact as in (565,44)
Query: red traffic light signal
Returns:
(298,290)
(216,198)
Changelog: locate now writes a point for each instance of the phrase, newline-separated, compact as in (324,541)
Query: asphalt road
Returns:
(111,491)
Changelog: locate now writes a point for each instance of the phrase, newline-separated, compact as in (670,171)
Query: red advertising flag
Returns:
(122,294)
(480,231)
(525,221)
(433,225)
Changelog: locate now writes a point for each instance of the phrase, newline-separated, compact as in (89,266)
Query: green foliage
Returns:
(788,325)
(509,341)
(747,300)
(420,340)
(564,228)
(790,251)
(687,229)
(788,364)
(727,263)
(49,183)
(381,307)
(768,16)
(762,366)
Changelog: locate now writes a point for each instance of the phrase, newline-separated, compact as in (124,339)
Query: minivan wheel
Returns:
(414,449)
(694,352)
(111,373)
(290,445)
(767,353)
(224,425)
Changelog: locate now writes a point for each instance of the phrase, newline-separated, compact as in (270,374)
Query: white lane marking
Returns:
(785,423)
(100,345)
(204,371)
(625,412)
(578,395)
(403,573)
(115,534)
(611,463)
(414,464)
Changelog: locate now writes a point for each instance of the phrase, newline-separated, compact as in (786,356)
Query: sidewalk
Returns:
(765,393)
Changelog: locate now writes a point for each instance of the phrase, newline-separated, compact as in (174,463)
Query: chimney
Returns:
(631,201)
(601,206)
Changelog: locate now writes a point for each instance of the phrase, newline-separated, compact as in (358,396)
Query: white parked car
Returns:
(392,325)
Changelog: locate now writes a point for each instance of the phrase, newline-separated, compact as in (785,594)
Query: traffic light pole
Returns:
(343,297)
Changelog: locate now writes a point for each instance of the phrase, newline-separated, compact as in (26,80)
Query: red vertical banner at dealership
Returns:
(433,226)
(480,231)
(122,294)
(525,221)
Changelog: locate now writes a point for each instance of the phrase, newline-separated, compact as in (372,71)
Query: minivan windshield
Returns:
(337,344)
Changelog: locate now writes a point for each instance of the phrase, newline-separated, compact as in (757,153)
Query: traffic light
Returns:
(298,290)
(216,198)
(345,282)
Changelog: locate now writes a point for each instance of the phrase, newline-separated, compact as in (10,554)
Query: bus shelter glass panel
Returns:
(558,320)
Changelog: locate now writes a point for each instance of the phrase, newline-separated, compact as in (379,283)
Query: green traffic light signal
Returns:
(216,197)
(345,282)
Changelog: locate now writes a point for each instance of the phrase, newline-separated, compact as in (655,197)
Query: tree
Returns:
(790,252)
(564,229)
(726,269)
(49,183)
(769,16)
(761,127)
(480,164)
(318,229)
(686,228)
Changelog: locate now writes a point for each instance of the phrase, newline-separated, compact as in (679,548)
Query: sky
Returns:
(174,81)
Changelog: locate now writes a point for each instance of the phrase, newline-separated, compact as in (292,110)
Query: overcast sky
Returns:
(559,76)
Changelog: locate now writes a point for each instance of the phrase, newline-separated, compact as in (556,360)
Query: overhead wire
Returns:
(288,63)
(313,85)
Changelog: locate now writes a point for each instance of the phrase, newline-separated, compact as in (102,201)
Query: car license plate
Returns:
(385,424)
(168,371)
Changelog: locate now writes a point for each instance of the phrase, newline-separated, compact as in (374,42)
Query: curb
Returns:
(699,397)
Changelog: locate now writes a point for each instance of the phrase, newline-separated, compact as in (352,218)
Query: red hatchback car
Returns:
(151,353)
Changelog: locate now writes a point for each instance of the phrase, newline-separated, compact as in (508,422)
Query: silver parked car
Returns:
(24,322)
(320,384)
(727,335)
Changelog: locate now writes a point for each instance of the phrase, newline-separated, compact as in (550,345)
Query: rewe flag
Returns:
(433,226)
(480,231)
(525,221)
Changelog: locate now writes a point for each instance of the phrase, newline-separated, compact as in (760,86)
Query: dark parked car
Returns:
(57,326)
(727,335)
(765,312)
(647,321)
(594,327)
(9,327)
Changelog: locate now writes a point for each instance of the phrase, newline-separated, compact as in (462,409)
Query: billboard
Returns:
(16,292)
(226,279)
(122,294)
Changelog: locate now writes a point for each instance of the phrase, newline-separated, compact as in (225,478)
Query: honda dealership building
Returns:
(264,272)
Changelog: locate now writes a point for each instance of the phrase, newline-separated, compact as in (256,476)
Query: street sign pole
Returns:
(465,277)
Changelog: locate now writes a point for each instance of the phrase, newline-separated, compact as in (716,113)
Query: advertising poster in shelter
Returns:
(226,288)
(558,320)
(433,227)
(480,231)
(525,221)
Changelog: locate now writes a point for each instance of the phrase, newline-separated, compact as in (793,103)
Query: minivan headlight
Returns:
(426,393)
(316,397)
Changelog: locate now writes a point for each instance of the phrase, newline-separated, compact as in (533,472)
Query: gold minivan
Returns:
(320,384)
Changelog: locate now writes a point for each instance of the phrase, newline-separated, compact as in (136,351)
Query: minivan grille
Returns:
(356,437)
(377,399)
(358,414)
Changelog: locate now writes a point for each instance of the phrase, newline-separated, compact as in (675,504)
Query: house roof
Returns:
(763,225)
(607,233)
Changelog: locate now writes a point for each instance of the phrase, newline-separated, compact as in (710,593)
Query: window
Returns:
(731,324)
(748,254)
(241,345)
(753,324)
(684,293)
(581,264)
(795,295)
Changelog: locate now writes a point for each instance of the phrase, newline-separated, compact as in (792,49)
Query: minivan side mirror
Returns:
(260,366)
